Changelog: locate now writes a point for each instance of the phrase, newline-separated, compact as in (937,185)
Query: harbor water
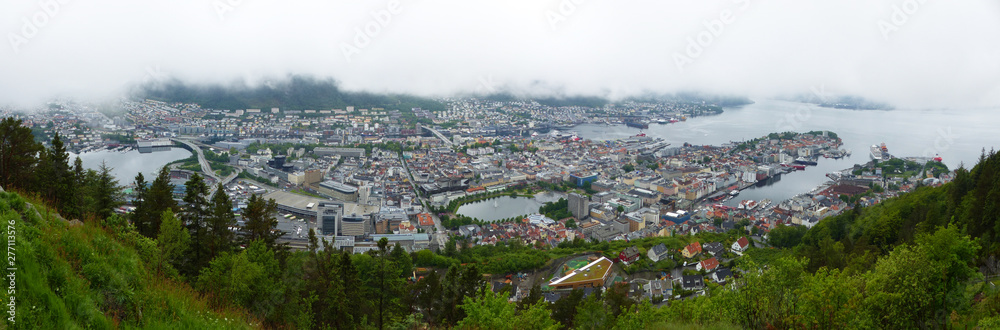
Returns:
(125,165)
(957,135)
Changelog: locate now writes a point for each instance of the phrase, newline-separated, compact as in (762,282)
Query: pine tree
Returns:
(194,215)
(351,282)
(18,154)
(139,214)
(382,287)
(54,177)
(107,191)
(590,314)
(429,295)
(173,239)
(534,296)
(402,259)
(260,221)
(220,223)
(80,189)
(159,197)
(564,310)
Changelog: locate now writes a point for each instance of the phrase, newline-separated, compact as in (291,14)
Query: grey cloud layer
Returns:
(912,53)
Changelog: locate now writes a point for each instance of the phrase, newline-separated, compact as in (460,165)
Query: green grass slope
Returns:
(89,276)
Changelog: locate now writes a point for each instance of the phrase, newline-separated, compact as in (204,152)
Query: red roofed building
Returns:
(741,244)
(691,250)
(629,255)
(425,219)
(708,264)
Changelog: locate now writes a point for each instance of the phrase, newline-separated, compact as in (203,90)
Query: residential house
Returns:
(741,244)
(720,275)
(713,248)
(658,252)
(708,264)
(691,250)
(629,255)
(692,282)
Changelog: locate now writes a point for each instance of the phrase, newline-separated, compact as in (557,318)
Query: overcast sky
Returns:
(911,53)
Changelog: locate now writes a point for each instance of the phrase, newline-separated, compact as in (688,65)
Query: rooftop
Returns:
(597,269)
(339,187)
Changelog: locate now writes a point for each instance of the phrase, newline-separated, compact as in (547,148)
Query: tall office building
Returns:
(578,205)
(328,218)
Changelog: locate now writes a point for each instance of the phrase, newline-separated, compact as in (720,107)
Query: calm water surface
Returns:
(957,135)
(506,206)
(125,165)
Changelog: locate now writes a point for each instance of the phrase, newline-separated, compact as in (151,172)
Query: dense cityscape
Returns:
(404,175)
(517,164)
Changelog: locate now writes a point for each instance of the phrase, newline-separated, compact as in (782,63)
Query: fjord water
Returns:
(125,165)
(957,135)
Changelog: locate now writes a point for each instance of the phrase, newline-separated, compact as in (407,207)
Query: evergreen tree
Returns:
(18,154)
(140,192)
(533,297)
(330,308)
(221,221)
(313,241)
(54,179)
(173,240)
(402,260)
(564,310)
(429,295)
(351,283)
(451,297)
(158,198)
(617,299)
(260,221)
(591,314)
(107,192)
(194,215)
(387,285)
(80,190)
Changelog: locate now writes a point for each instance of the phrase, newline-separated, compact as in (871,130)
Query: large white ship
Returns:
(880,152)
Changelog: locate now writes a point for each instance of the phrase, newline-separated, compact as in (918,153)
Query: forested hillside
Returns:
(95,275)
(294,93)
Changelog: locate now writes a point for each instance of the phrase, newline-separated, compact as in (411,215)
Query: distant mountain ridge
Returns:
(294,93)
(598,102)
(850,102)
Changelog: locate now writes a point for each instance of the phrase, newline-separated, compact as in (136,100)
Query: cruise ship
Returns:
(880,152)
(804,161)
